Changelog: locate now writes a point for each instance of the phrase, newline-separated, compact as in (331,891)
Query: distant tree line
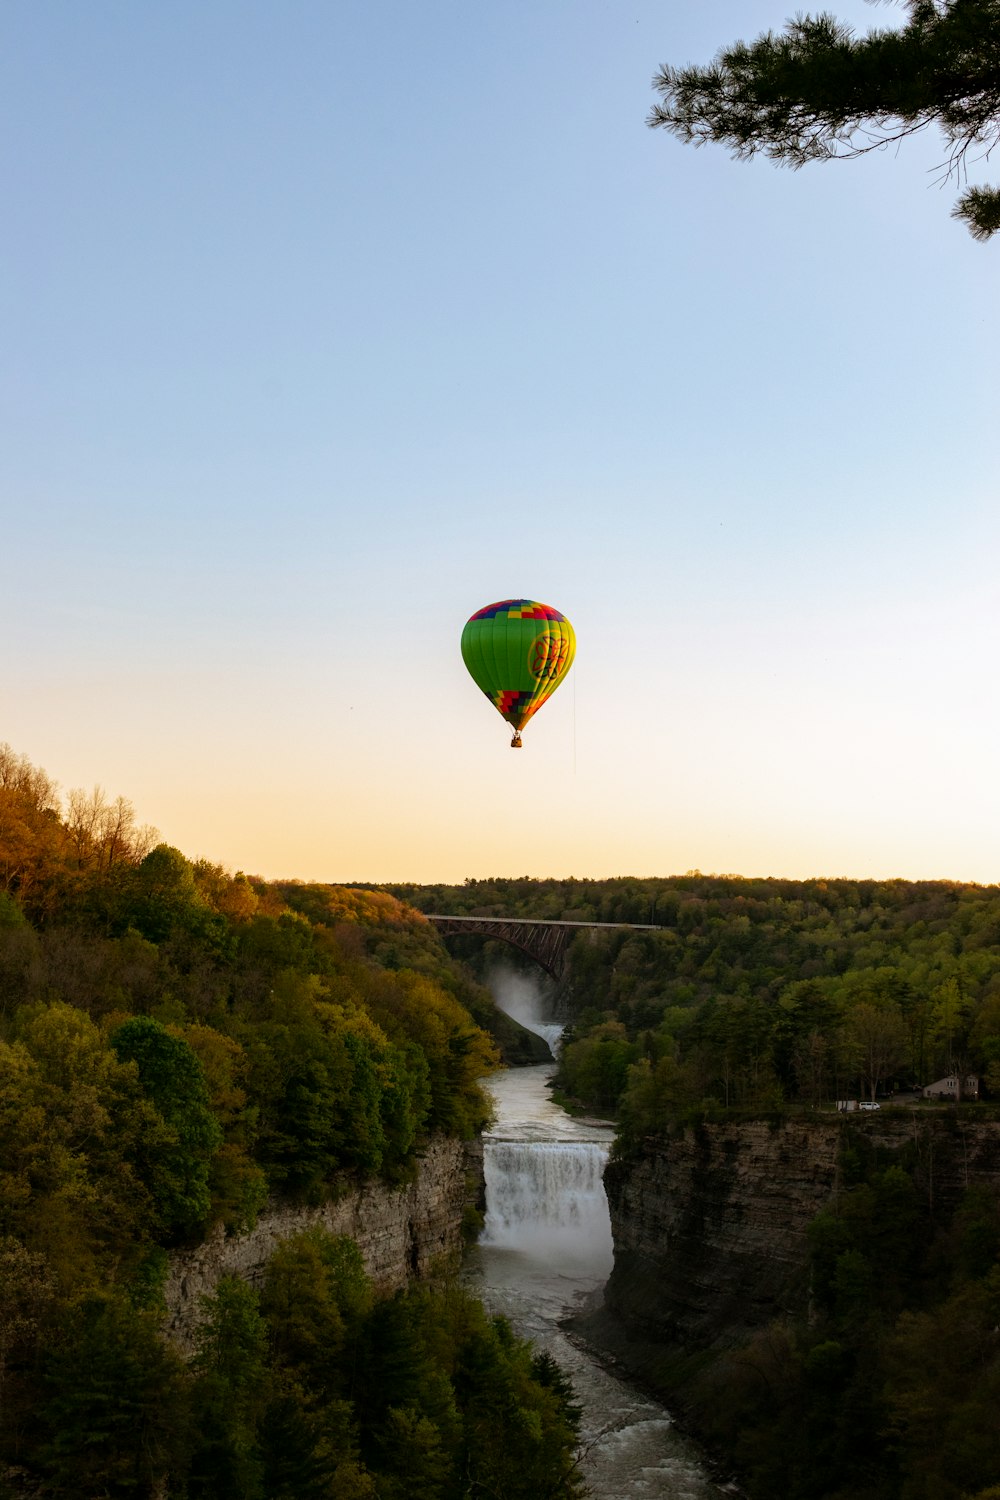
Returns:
(761,994)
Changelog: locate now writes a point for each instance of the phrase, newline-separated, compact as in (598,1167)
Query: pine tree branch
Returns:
(816,92)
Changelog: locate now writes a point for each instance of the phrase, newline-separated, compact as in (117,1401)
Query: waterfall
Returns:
(545,1250)
(544,1171)
(528,998)
(546,1198)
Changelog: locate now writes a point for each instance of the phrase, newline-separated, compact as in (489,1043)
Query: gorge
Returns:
(250,1102)
(711,1225)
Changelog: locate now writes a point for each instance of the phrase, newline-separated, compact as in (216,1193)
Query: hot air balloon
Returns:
(518,652)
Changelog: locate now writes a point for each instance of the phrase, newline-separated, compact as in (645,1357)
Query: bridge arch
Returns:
(547,942)
(547,948)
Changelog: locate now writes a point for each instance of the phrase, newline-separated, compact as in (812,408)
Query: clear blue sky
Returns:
(324,324)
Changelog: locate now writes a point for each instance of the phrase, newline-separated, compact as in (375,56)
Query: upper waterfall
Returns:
(548,1197)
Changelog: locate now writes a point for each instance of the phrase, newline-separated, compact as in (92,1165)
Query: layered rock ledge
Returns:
(710,1225)
(405,1234)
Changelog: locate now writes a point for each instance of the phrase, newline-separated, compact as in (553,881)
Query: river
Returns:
(545,1249)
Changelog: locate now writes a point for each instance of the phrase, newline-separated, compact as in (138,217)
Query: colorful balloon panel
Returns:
(518,652)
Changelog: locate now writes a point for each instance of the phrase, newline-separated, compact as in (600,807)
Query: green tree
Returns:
(26,1296)
(595,1068)
(875,1043)
(230,1395)
(655,1096)
(238,1185)
(176,1161)
(816,92)
(71,1125)
(315,1295)
(316,1298)
(309,1444)
(811,1061)
(950,1011)
(519,1430)
(944,1425)
(115,1409)
(985,1040)
(162,899)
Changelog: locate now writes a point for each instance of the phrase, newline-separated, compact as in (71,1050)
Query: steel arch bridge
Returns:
(544,941)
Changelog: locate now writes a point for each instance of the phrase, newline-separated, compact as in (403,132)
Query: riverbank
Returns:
(647,1366)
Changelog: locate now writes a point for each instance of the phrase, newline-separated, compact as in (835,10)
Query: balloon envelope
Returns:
(518,652)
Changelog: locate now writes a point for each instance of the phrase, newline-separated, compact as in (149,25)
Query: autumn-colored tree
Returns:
(104,834)
(33,841)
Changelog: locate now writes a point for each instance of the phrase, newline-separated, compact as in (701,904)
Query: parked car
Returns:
(868,1104)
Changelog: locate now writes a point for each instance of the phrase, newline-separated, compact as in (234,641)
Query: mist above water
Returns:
(544,1171)
(526,998)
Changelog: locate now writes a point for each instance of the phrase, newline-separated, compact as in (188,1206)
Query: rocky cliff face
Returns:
(404,1234)
(710,1226)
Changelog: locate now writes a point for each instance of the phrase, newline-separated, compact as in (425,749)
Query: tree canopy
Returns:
(759,994)
(817,92)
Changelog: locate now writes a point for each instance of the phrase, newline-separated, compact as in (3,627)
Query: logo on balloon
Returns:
(548,655)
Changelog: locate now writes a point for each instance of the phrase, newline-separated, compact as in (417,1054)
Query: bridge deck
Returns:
(544,922)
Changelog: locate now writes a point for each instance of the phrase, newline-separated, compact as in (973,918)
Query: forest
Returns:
(751,999)
(177,1044)
(760,995)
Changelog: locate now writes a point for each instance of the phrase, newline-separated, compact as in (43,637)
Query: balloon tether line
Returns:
(574,725)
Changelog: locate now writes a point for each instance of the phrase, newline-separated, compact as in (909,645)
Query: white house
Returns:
(953,1087)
